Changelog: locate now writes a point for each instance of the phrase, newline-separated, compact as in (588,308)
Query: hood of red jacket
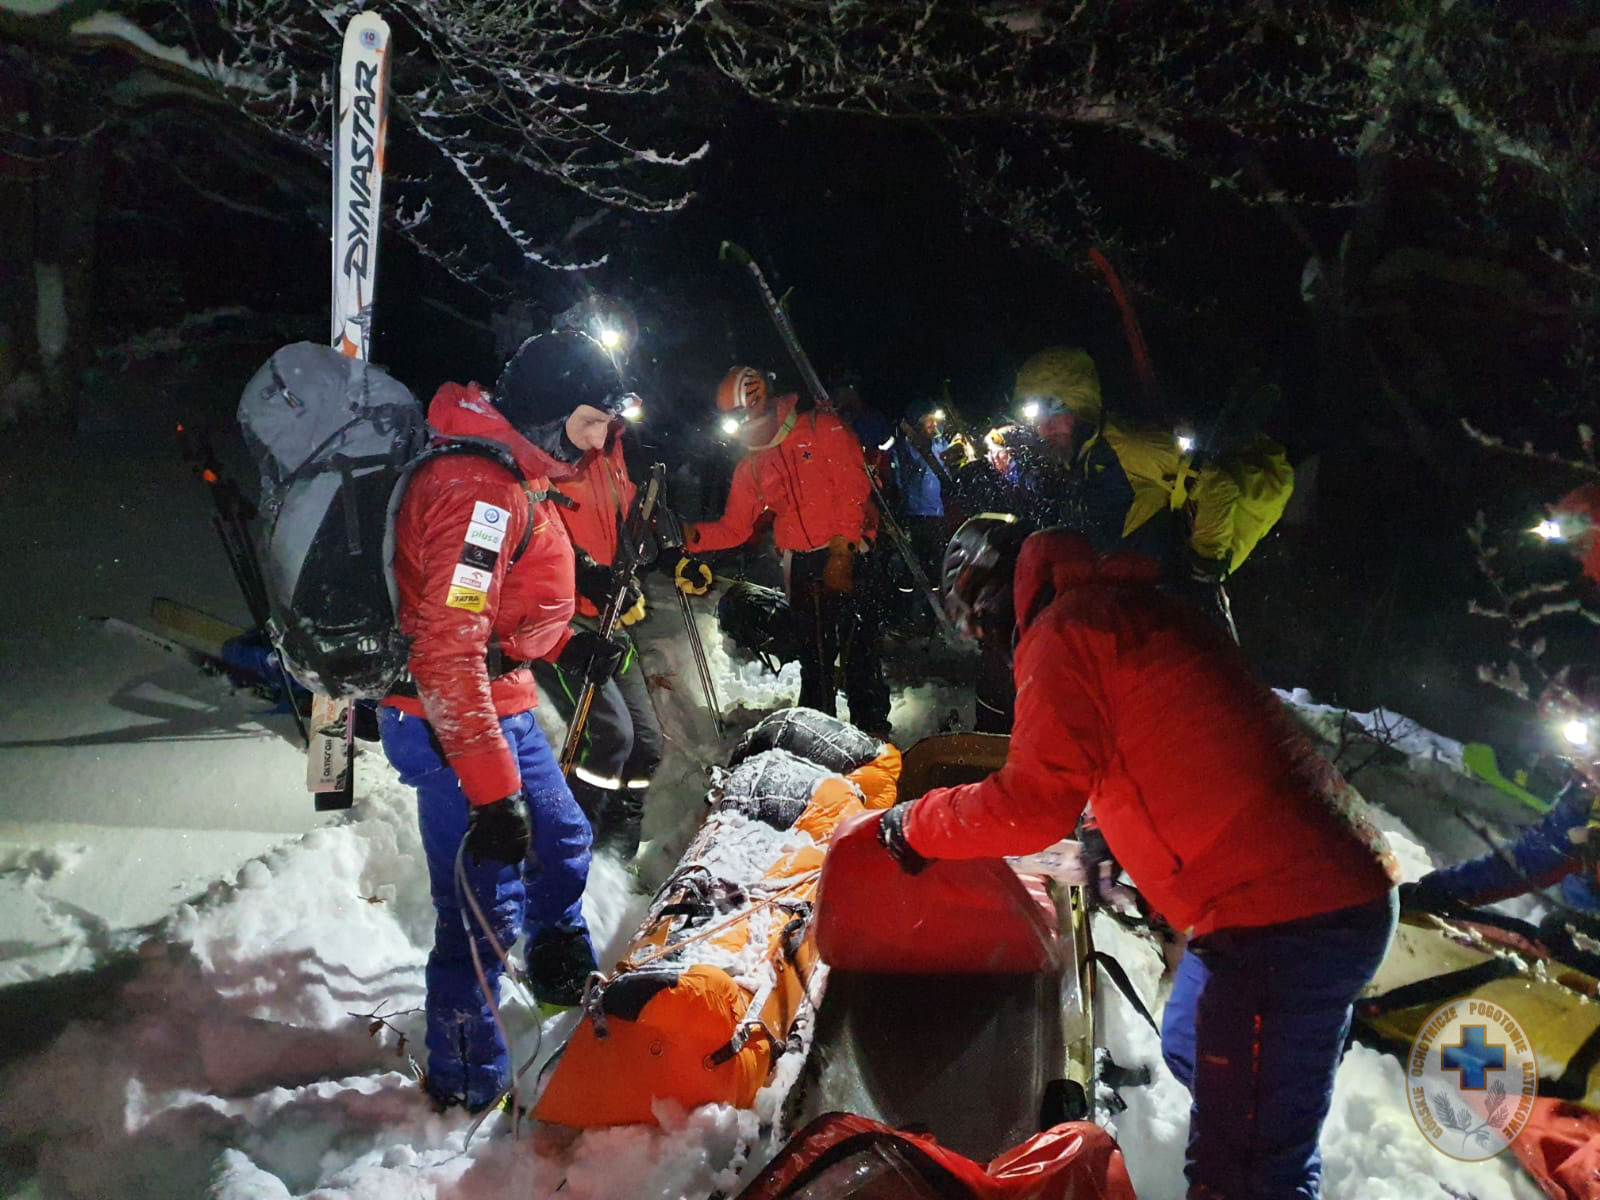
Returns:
(1057,560)
(465,411)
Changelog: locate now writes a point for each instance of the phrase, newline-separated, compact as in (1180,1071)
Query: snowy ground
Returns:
(210,986)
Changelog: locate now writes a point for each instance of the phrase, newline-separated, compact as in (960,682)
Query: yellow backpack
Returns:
(1239,497)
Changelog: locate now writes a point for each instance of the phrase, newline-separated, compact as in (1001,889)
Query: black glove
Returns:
(597,584)
(592,656)
(499,831)
(693,576)
(1093,854)
(1205,570)
(1425,895)
(892,836)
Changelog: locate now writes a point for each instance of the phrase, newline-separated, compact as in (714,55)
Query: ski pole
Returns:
(231,520)
(628,551)
(698,649)
(1225,606)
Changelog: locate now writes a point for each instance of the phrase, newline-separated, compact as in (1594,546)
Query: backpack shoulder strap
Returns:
(495,452)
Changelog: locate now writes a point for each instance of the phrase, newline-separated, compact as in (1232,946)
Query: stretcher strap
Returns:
(630,964)
(1438,988)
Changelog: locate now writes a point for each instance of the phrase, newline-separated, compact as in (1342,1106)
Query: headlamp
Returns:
(938,415)
(729,426)
(1185,443)
(608,336)
(1571,722)
(1032,410)
(627,405)
(1550,530)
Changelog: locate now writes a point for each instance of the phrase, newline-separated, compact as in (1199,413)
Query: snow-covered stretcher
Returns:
(724,976)
(1489,957)
(716,983)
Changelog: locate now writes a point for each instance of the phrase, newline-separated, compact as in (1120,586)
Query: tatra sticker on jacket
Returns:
(468,599)
(469,587)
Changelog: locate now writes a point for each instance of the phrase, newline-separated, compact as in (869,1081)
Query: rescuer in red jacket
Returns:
(1221,812)
(805,467)
(484,573)
(622,744)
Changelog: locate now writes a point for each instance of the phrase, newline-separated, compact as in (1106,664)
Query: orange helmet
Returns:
(743,391)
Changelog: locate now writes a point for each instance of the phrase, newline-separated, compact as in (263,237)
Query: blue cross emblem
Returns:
(1474,1057)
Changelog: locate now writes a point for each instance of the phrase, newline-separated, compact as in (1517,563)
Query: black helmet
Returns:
(975,582)
(553,373)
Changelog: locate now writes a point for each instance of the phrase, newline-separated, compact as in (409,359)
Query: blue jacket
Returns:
(918,484)
(1543,854)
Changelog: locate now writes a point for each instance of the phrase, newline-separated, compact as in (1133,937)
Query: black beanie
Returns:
(553,373)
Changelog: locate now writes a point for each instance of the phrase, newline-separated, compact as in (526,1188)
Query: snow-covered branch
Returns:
(528,114)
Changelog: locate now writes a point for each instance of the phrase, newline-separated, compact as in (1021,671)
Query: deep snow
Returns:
(212,987)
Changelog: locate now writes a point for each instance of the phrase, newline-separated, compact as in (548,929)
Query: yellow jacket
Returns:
(1230,501)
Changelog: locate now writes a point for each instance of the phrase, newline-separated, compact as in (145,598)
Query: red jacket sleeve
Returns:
(450,624)
(1059,747)
(739,516)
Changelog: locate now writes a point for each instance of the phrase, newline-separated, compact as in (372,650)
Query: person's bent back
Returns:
(1218,807)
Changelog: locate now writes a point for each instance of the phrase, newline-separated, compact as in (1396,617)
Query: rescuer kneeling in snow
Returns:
(806,468)
(1563,849)
(1219,809)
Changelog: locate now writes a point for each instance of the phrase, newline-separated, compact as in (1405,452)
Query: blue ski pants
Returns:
(467,1058)
(1255,1028)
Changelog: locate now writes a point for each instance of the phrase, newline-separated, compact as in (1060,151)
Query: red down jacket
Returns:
(459,523)
(601,489)
(1217,806)
(812,478)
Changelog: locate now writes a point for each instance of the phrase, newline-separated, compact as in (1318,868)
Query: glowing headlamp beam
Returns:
(1031,410)
(1550,530)
(1576,732)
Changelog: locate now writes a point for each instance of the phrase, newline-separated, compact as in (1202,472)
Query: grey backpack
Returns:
(336,439)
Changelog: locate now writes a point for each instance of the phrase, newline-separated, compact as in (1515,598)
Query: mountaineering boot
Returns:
(560,961)
(595,802)
(619,829)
